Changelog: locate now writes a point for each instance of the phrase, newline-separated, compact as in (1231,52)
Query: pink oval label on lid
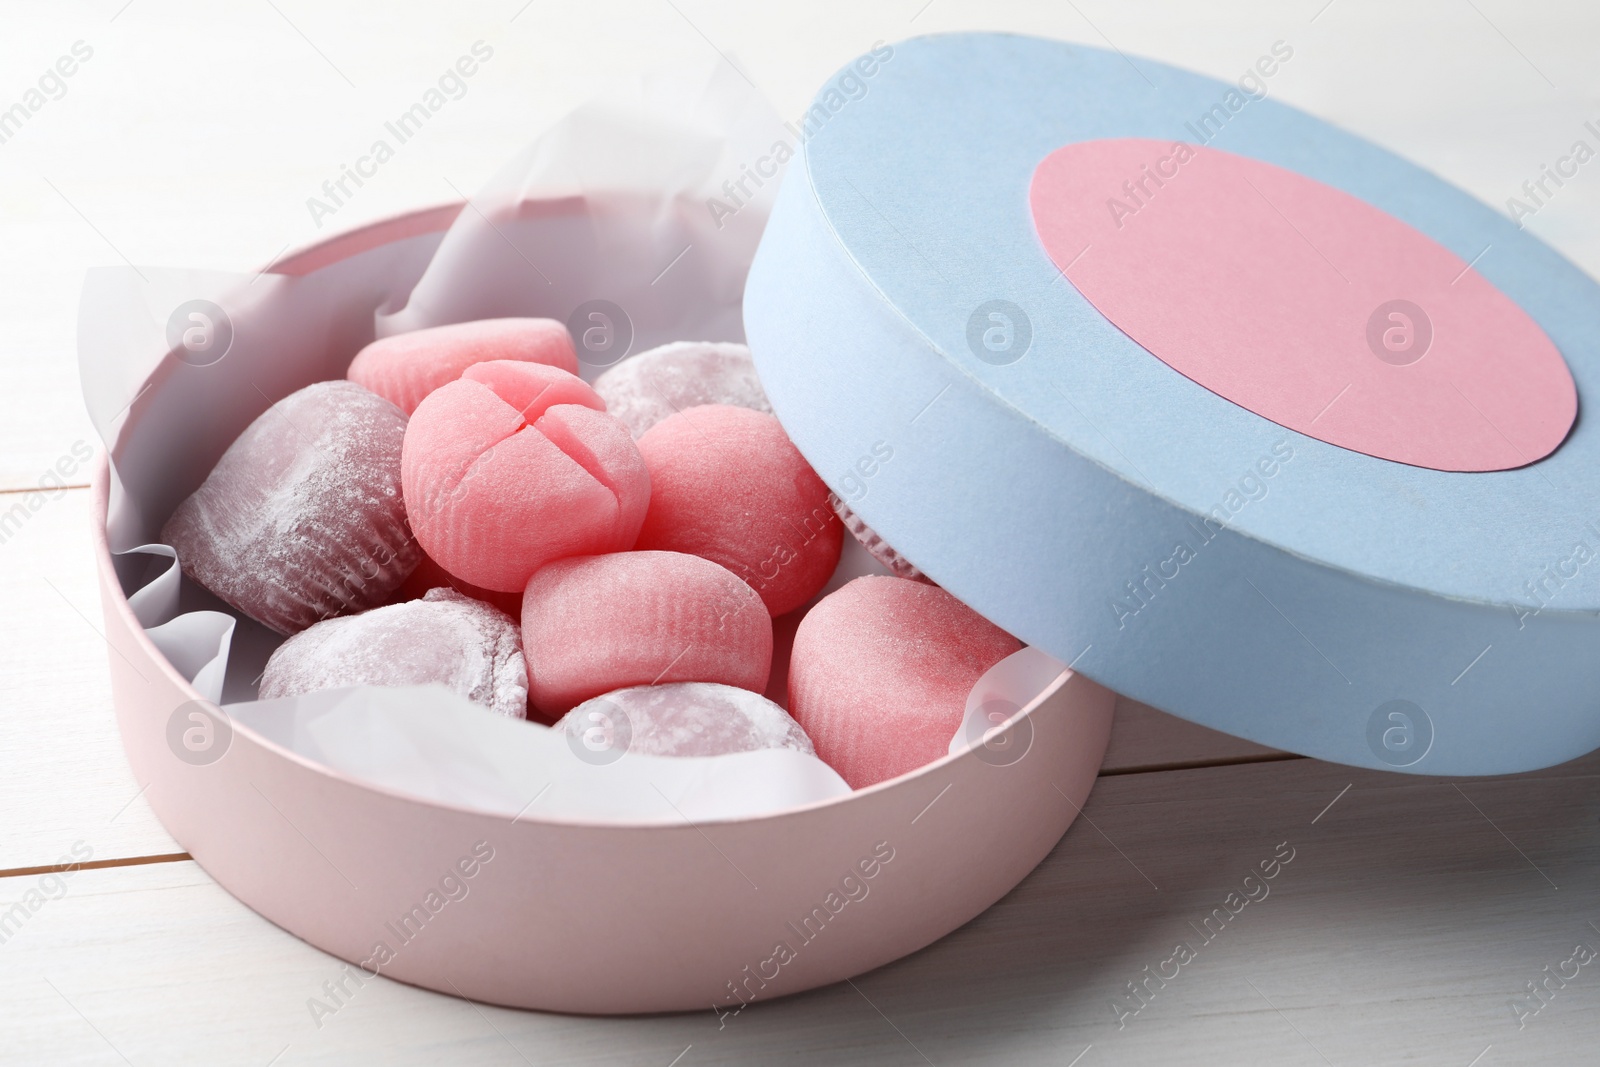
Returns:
(1303,304)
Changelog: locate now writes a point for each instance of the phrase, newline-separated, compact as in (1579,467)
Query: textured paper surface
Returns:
(643,160)
(427,742)
(1303,304)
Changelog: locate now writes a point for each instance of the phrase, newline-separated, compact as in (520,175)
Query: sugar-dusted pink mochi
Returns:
(533,388)
(460,643)
(652,385)
(726,483)
(592,624)
(302,518)
(503,472)
(408,366)
(880,674)
(689,719)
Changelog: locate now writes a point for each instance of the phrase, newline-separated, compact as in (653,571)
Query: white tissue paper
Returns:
(614,203)
(430,743)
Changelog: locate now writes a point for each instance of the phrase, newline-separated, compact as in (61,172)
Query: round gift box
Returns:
(589,918)
(1245,417)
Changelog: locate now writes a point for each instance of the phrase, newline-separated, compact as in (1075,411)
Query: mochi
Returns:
(689,719)
(514,465)
(446,637)
(592,624)
(663,381)
(406,367)
(881,671)
(727,484)
(302,518)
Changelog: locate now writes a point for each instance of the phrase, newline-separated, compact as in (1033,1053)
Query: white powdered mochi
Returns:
(446,637)
(302,518)
(687,719)
(652,385)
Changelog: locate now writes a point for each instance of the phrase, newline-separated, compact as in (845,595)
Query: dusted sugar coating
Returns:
(408,366)
(460,643)
(592,624)
(503,473)
(690,719)
(881,671)
(727,484)
(663,381)
(302,518)
(876,546)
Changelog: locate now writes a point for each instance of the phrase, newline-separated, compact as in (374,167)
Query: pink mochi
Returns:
(727,484)
(445,638)
(643,390)
(408,366)
(533,388)
(302,518)
(592,624)
(514,465)
(881,671)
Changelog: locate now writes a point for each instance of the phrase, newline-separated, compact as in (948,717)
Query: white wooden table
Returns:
(1415,911)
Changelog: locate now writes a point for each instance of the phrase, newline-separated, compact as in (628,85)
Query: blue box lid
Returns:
(956,386)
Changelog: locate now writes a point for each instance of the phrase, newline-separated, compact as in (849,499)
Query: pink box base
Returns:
(598,919)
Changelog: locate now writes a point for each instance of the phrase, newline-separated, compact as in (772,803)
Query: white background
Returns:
(197,132)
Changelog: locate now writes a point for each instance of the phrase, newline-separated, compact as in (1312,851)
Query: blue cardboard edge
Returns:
(1240,636)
